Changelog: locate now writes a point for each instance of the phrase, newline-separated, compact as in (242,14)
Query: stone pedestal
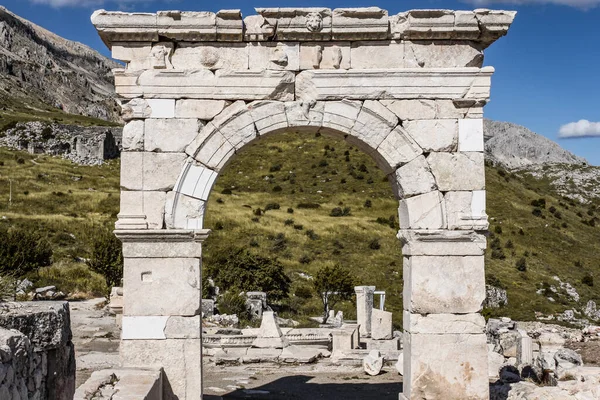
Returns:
(364,308)
(163,331)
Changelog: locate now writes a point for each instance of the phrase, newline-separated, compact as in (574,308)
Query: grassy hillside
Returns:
(65,203)
(287,175)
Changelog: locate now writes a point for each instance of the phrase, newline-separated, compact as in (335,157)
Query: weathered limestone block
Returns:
(364,308)
(132,170)
(341,115)
(211,56)
(360,23)
(180,360)
(170,135)
(304,115)
(178,327)
(135,109)
(230,26)
(415,178)
(400,365)
(434,134)
(135,55)
(205,84)
(444,284)
(493,24)
(168,286)
(115,27)
(444,323)
(458,171)
(299,23)
(216,151)
(398,148)
(426,211)
(373,363)
(162,108)
(195,181)
(409,83)
(126,384)
(133,136)
(470,135)
(524,348)
(187,25)
(184,212)
(429,375)
(200,109)
(268,116)
(315,55)
(38,357)
(466,210)
(269,334)
(143,327)
(160,55)
(433,109)
(276,56)
(382,55)
(161,169)
(423,24)
(441,243)
(381,325)
(342,342)
(442,54)
(257,28)
(373,124)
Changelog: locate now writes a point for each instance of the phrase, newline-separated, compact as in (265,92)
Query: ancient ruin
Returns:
(409,89)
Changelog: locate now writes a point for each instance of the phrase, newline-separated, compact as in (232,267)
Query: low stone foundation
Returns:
(37,357)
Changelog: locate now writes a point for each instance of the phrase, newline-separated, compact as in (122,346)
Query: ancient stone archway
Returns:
(409,89)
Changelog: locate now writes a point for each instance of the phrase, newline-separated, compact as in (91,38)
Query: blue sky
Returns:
(546,68)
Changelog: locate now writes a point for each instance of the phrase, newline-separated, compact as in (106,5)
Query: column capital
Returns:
(162,243)
(442,243)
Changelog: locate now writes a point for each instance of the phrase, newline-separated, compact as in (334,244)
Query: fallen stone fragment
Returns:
(373,363)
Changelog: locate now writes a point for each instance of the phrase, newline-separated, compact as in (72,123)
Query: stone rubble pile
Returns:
(82,145)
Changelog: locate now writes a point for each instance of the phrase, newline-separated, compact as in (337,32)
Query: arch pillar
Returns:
(162,306)
(445,351)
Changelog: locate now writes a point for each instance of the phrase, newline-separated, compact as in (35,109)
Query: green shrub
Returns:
(272,206)
(588,280)
(539,203)
(521,264)
(288,222)
(498,229)
(312,235)
(22,251)
(107,257)
(290,210)
(374,244)
(304,292)
(238,270)
(368,204)
(309,206)
(233,303)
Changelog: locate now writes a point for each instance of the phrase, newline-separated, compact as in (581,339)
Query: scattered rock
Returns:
(373,363)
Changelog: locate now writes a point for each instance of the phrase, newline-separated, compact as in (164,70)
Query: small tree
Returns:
(333,284)
(107,258)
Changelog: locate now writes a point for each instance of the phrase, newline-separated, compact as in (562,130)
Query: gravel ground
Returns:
(590,351)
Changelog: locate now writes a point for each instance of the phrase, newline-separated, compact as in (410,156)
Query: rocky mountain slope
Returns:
(42,72)
(514,146)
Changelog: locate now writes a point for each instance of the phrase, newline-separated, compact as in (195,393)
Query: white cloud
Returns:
(581,128)
(583,4)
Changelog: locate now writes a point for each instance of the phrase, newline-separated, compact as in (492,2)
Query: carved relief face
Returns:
(314,22)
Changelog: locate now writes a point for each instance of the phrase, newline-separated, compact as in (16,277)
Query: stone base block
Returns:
(179,358)
(446,366)
(128,383)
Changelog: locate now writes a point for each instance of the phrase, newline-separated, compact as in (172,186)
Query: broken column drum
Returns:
(408,89)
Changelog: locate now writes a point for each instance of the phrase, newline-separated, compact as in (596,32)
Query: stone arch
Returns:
(407,89)
(369,125)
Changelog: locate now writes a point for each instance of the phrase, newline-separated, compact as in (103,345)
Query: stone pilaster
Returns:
(445,352)
(162,301)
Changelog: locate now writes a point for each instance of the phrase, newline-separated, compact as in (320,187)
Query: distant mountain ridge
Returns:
(38,67)
(514,146)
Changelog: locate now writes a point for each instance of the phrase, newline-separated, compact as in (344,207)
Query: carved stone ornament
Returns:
(209,57)
(337,57)
(160,56)
(314,22)
(279,56)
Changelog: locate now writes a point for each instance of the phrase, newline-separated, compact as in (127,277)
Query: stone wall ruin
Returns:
(408,89)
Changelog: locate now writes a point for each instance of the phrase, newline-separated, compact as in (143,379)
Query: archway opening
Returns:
(309,201)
